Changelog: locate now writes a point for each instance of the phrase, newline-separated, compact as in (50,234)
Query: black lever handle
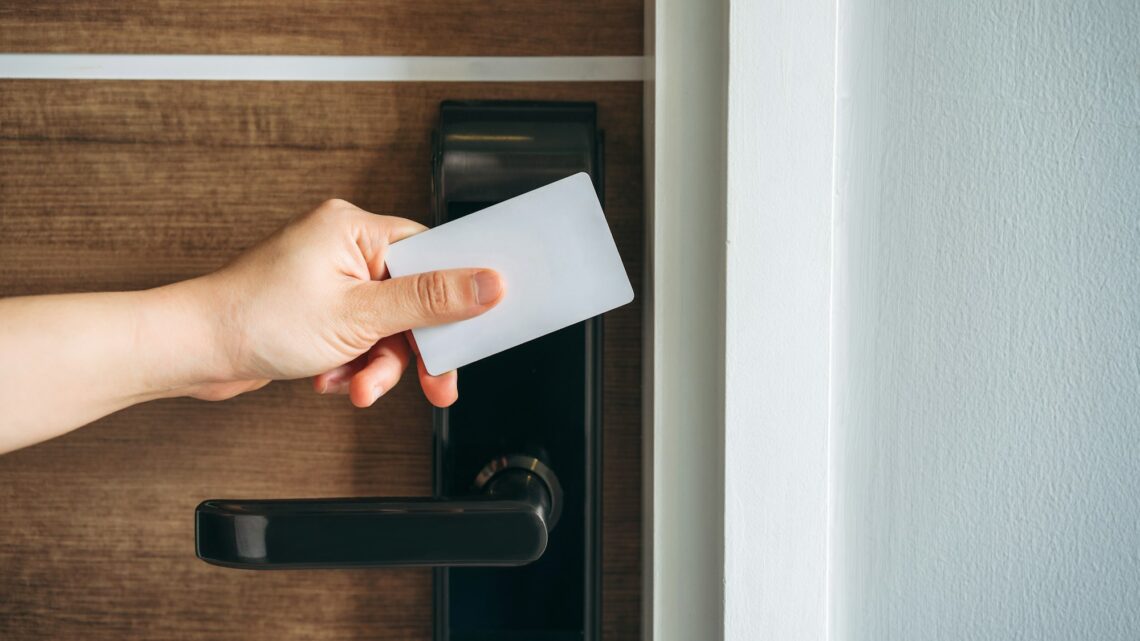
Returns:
(508,524)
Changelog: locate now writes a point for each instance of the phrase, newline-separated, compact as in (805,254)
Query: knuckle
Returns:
(435,293)
(331,209)
(335,204)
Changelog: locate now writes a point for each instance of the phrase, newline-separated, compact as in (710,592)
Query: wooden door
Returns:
(113,185)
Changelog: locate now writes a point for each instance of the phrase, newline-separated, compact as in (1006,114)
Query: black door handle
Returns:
(505,523)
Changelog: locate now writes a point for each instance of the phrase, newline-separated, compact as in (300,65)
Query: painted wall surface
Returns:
(985,433)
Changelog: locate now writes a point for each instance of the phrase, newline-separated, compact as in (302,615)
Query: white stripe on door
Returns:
(322,68)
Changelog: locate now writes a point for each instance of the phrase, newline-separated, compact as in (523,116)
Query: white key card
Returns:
(555,253)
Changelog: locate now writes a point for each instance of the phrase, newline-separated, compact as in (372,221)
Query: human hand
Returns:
(315,299)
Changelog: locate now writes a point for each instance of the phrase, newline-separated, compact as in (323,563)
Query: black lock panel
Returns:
(541,399)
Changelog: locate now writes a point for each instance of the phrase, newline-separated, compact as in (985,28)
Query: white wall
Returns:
(986,344)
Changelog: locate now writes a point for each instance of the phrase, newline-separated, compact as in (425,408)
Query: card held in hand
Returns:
(555,253)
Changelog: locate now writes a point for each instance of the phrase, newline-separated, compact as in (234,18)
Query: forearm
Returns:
(67,360)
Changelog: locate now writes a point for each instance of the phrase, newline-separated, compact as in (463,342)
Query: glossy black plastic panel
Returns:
(489,151)
(541,399)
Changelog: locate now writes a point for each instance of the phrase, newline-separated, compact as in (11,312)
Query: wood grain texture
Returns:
(332,27)
(126,185)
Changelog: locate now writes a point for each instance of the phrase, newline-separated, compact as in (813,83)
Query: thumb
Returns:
(395,305)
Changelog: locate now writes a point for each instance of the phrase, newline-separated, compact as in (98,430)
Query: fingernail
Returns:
(377,392)
(487,287)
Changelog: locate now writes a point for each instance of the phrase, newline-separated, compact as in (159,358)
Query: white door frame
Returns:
(682,462)
(740,122)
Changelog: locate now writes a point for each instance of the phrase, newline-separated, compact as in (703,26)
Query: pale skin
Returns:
(312,300)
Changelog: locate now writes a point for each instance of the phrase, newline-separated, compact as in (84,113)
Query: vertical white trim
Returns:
(648,346)
(781,124)
(685,226)
(829,579)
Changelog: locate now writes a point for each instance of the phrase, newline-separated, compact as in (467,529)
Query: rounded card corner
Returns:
(431,366)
